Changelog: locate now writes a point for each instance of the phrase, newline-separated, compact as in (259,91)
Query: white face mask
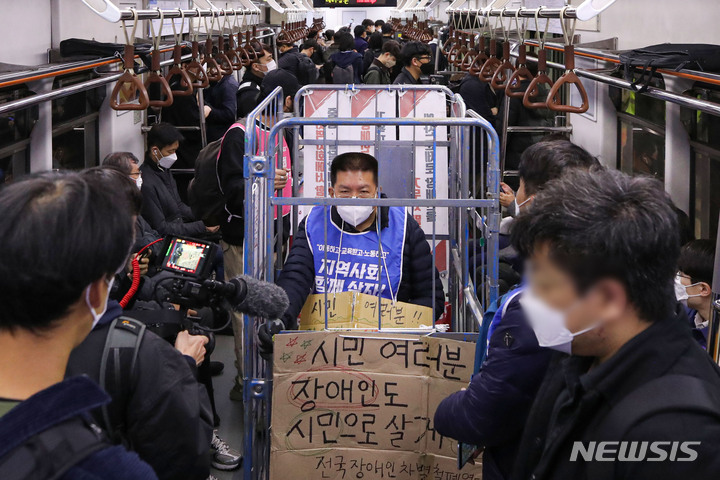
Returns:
(681,291)
(168,161)
(138,182)
(354,214)
(515,209)
(549,324)
(97,316)
(270,66)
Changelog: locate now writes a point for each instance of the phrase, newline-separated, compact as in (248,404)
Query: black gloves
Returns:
(266,331)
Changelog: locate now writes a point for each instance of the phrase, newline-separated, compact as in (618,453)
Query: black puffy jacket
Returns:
(299,65)
(298,274)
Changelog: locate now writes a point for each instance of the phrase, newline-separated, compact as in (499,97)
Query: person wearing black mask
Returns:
(418,61)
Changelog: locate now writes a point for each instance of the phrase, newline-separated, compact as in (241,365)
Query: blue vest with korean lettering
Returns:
(350,261)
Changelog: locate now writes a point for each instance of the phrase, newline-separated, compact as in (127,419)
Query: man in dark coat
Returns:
(355,175)
(297,62)
(220,106)
(417,60)
(492,411)
(636,398)
(249,89)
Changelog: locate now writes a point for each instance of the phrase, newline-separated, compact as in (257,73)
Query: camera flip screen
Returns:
(186,256)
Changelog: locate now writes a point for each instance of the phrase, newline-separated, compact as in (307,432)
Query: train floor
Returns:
(231,412)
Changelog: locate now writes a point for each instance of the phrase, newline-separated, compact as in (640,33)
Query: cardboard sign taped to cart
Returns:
(413,160)
(355,310)
(361,405)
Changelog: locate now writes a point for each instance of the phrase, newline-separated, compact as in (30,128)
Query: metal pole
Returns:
(677,98)
(155,14)
(70,90)
(521,12)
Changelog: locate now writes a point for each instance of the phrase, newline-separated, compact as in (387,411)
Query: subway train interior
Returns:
(359,239)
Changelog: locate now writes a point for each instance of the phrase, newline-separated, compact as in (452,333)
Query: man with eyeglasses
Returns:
(338,249)
(418,61)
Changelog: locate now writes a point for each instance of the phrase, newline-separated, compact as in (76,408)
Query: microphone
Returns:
(252,296)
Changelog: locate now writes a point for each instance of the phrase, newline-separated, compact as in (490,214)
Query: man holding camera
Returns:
(62,238)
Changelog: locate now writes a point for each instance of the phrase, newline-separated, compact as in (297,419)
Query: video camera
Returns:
(191,262)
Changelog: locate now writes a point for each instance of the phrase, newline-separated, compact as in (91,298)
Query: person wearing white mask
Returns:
(356,237)
(693,284)
(249,90)
(493,410)
(162,206)
(602,250)
(380,70)
(62,238)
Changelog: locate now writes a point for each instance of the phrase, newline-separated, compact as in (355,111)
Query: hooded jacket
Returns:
(350,58)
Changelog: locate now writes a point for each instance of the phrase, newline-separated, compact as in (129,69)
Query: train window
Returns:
(705,162)
(15,128)
(641,131)
(74,125)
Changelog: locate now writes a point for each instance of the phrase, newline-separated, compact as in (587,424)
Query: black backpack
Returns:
(205,193)
(671,56)
(343,75)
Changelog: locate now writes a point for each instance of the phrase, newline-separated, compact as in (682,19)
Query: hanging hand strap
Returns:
(129,84)
(569,77)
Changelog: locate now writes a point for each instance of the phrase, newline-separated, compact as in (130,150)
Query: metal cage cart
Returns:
(437,161)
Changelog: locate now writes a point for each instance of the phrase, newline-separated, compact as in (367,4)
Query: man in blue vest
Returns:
(377,251)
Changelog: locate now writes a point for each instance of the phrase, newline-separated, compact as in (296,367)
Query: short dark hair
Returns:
(359,30)
(260,50)
(392,47)
(310,43)
(379,23)
(387,28)
(367,23)
(375,41)
(163,134)
(697,260)
(344,41)
(59,232)
(414,49)
(329,34)
(352,162)
(279,78)
(606,224)
(122,161)
(545,161)
(115,178)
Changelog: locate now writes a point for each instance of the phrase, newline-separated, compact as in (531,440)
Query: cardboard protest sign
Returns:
(361,405)
(359,310)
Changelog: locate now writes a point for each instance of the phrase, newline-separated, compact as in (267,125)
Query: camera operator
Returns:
(62,238)
(159,409)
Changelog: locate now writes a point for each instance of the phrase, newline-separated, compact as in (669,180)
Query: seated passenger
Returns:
(62,239)
(407,273)
(693,285)
(380,70)
(603,250)
(492,411)
(162,207)
(417,60)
